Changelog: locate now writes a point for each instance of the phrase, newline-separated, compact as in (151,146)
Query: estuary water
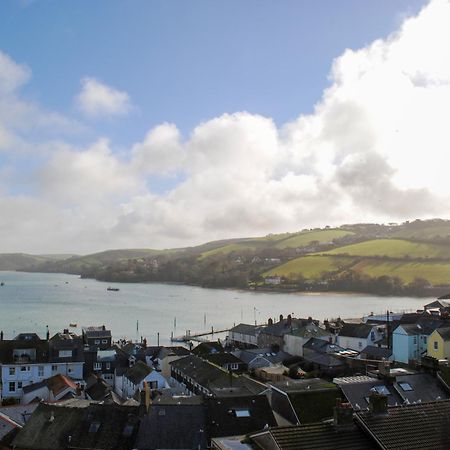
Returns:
(30,301)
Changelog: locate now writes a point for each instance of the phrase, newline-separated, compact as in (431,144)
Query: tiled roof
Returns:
(244,328)
(419,426)
(444,332)
(223,358)
(356,330)
(371,351)
(314,436)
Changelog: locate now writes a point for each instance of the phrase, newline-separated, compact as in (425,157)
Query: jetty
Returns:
(198,337)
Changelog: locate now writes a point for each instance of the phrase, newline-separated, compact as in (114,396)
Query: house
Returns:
(178,423)
(274,332)
(357,336)
(244,335)
(52,389)
(207,348)
(79,424)
(229,416)
(136,376)
(274,280)
(322,356)
(67,348)
(303,401)
(340,434)
(166,355)
(438,345)
(27,359)
(375,352)
(410,341)
(295,340)
(261,357)
(418,426)
(97,337)
(227,361)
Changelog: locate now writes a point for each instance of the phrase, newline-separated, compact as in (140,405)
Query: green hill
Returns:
(393,248)
(19,261)
(305,238)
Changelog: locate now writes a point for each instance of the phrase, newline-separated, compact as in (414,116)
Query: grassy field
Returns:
(426,231)
(394,248)
(435,273)
(304,238)
(226,249)
(311,267)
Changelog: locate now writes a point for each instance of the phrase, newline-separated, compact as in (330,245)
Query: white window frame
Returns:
(97,366)
(12,371)
(41,371)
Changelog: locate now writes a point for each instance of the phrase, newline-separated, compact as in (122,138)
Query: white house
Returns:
(50,390)
(244,335)
(133,380)
(357,336)
(295,340)
(29,359)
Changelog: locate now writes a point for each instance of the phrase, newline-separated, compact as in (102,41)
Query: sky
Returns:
(160,124)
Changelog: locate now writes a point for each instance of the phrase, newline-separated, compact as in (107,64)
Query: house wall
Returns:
(404,347)
(34,373)
(294,344)
(240,338)
(443,348)
(359,344)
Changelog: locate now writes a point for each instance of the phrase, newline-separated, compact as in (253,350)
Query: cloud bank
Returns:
(376,148)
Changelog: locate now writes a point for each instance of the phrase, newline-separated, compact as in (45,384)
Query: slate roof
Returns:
(423,426)
(324,359)
(19,413)
(172,351)
(7,348)
(243,328)
(356,330)
(205,348)
(425,388)
(444,333)
(223,358)
(309,331)
(138,372)
(173,427)
(249,355)
(238,415)
(314,436)
(99,390)
(372,351)
(6,425)
(96,332)
(322,346)
(282,327)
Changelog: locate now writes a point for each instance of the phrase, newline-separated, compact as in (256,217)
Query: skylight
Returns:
(93,428)
(382,389)
(242,413)
(405,386)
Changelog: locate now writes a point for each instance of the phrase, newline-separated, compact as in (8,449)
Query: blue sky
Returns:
(170,123)
(188,61)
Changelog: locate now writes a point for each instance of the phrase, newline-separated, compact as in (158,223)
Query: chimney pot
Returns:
(378,403)
(281,317)
(342,414)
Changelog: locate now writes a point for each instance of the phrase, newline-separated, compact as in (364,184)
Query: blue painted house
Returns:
(409,341)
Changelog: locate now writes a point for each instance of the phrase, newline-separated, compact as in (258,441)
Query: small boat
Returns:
(109,288)
(2,283)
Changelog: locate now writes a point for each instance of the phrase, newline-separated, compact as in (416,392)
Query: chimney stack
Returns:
(378,403)
(1,335)
(270,321)
(103,327)
(342,414)
(281,317)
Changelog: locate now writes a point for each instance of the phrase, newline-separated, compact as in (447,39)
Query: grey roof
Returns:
(249,355)
(96,332)
(425,388)
(444,333)
(357,393)
(173,427)
(243,328)
(356,330)
(172,351)
(418,426)
(310,331)
(138,372)
(231,416)
(314,436)
(283,327)
(223,358)
(303,385)
(322,346)
(324,359)
(7,348)
(372,351)
(6,426)
(19,413)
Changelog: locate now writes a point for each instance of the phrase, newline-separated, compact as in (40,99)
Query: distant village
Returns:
(377,382)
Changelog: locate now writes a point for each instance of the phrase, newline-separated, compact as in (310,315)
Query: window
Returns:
(19,385)
(23,368)
(424,339)
(415,340)
(12,371)
(97,341)
(54,368)
(40,371)
(12,387)
(234,366)
(93,428)
(108,366)
(97,366)
(242,413)
(382,389)
(435,345)
(65,353)
(70,370)
(104,341)
(372,335)
(360,344)
(405,386)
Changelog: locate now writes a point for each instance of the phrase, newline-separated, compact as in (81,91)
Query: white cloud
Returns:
(97,99)
(375,149)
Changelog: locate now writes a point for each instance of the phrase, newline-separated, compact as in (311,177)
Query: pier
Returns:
(199,337)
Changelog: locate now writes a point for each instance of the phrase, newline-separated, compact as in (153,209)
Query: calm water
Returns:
(30,301)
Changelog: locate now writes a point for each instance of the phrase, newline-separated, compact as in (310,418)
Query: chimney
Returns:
(289,320)
(66,331)
(342,415)
(310,319)
(270,321)
(148,399)
(378,403)
(384,371)
(326,324)
(48,334)
(1,335)
(281,317)
(144,342)
(103,327)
